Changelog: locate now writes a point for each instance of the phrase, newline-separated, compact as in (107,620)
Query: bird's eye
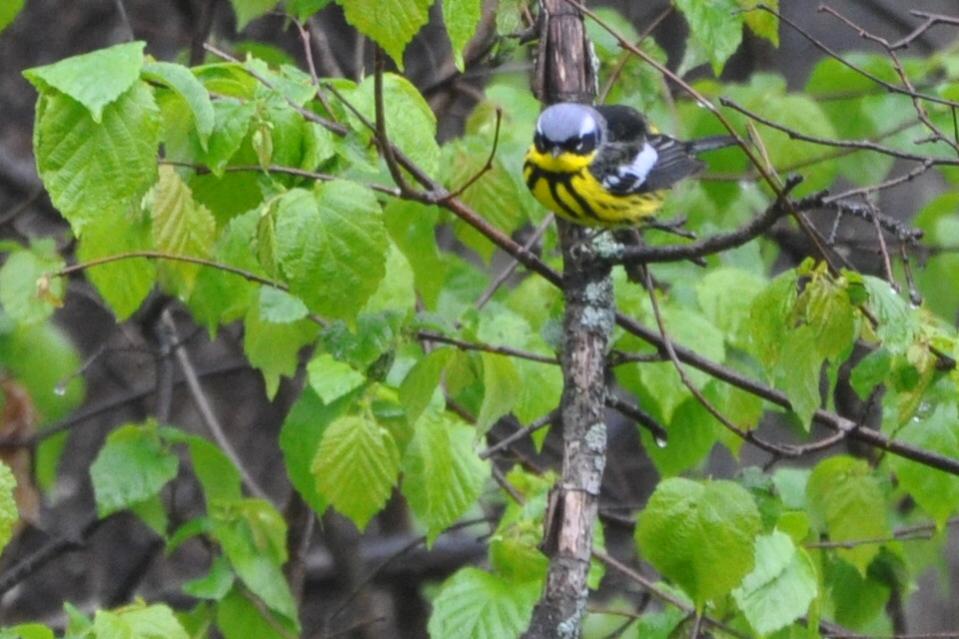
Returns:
(539,140)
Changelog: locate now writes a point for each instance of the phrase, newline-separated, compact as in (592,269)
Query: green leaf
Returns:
(390,23)
(474,604)
(397,291)
(138,621)
(94,79)
(220,297)
(726,296)
(356,467)
(700,535)
(238,617)
(9,515)
(332,379)
(303,9)
(28,293)
(28,630)
(846,501)
(800,377)
(443,476)
(716,25)
(936,491)
(410,123)
(90,167)
(781,586)
(253,536)
(123,284)
(333,250)
(133,465)
(178,78)
(9,11)
(870,372)
(300,438)
(249,10)
(461,18)
(180,227)
(692,434)
(413,227)
(420,383)
(765,24)
(279,307)
(215,584)
(273,347)
(217,475)
(500,381)
(897,325)
(232,122)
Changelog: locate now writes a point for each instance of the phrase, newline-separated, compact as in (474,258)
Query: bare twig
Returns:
(486,348)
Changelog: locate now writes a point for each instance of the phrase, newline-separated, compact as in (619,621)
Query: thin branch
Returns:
(931,20)
(210,420)
(487,166)
(129,36)
(486,348)
(506,442)
(158,255)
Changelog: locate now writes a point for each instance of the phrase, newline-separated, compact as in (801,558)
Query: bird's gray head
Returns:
(568,127)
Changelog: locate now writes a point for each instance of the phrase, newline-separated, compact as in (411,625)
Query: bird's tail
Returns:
(711,143)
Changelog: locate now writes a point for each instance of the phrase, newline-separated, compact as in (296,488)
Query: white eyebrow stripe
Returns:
(588,126)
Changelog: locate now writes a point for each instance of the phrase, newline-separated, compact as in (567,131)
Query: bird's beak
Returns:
(555,151)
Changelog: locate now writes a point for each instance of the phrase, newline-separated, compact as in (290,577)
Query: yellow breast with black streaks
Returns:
(565,185)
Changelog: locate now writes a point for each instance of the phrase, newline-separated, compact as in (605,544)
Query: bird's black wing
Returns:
(674,163)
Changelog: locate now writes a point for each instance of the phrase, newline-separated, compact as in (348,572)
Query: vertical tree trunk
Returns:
(565,74)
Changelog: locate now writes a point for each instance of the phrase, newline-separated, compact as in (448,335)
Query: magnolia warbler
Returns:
(604,166)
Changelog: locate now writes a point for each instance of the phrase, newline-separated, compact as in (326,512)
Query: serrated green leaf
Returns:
(123,284)
(249,10)
(178,78)
(9,515)
(442,473)
(410,123)
(89,167)
(413,227)
(474,604)
(897,325)
(397,291)
(936,491)
(700,535)
(781,586)
(846,501)
(232,122)
(180,227)
(692,435)
(500,381)
(273,347)
(461,18)
(253,537)
(390,23)
(300,438)
(279,307)
(94,79)
(332,250)
(138,621)
(716,25)
(133,465)
(332,379)
(9,11)
(765,24)
(28,293)
(356,467)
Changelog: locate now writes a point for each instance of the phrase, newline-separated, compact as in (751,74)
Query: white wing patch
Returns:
(631,176)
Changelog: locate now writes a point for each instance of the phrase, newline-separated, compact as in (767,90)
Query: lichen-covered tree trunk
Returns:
(565,74)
